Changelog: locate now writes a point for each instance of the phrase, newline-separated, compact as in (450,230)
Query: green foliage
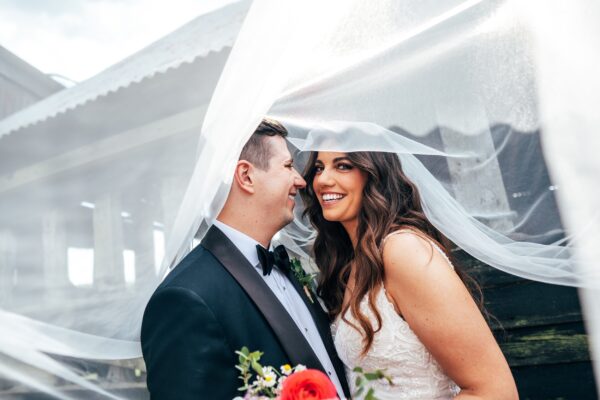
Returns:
(301,275)
(305,279)
(267,382)
(362,380)
(248,362)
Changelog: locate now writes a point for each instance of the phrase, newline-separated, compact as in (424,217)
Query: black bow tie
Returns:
(279,257)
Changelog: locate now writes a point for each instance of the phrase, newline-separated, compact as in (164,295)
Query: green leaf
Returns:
(358,392)
(256,355)
(370,395)
(359,381)
(373,376)
(301,275)
(257,368)
(358,369)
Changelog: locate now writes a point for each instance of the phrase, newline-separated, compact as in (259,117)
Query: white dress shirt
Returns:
(285,292)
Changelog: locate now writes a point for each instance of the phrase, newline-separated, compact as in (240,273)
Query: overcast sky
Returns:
(79,38)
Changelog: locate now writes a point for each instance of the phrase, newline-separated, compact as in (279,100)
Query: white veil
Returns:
(476,98)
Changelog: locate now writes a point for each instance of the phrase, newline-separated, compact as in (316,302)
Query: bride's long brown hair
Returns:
(390,202)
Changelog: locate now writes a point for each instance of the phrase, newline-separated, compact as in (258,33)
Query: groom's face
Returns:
(278,185)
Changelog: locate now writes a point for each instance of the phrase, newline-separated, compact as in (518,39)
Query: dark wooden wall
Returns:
(541,332)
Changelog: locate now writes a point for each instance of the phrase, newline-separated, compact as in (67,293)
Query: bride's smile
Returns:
(339,187)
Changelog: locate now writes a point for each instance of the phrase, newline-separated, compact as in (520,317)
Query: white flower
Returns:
(299,368)
(286,369)
(269,378)
(280,381)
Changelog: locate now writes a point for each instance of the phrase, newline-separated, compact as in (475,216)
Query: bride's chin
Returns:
(330,218)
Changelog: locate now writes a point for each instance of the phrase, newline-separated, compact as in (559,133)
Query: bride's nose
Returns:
(324,178)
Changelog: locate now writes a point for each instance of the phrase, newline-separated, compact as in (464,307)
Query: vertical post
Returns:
(54,243)
(108,242)
(143,242)
(8,252)
(171,193)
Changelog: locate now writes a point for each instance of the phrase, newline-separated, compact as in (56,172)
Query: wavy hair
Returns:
(390,202)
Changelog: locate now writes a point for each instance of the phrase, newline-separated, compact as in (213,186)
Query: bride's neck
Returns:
(351,228)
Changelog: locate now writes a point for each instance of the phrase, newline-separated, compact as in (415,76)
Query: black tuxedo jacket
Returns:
(213,303)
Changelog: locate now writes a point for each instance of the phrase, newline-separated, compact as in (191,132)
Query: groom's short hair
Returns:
(257,150)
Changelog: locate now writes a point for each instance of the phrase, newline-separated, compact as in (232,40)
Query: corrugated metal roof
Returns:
(207,33)
(21,84)
(27,77)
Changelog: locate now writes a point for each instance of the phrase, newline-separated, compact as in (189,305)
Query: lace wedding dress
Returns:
(397,350)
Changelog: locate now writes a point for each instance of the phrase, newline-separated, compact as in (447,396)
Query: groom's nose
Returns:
(299,181)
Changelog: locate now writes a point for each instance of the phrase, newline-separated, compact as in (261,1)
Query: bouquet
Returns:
(287,383)
(292,383)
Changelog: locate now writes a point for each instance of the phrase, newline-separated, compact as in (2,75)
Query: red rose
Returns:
(310,384)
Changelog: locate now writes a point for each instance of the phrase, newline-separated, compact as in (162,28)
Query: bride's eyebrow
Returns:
(338,159)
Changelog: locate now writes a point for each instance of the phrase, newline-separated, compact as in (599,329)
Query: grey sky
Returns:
(79,38)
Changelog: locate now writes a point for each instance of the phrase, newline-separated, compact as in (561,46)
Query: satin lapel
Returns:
(284,327)
(322,322)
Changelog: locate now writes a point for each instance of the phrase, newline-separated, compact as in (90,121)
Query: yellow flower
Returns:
(286,369)
(269,378)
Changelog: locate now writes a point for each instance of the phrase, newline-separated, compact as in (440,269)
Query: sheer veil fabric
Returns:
(483,101)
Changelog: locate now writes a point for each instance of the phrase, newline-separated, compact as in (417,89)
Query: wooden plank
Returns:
(486,276)
(527,304)
(518,302)
(554,344)
(570,381)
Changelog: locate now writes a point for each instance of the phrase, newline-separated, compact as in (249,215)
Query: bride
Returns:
(397,301)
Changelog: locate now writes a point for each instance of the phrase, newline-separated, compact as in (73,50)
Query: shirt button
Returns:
(329,372)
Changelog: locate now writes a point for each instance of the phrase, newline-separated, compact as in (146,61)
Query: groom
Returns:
(220,297)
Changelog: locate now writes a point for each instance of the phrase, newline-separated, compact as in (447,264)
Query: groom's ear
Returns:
(244,176)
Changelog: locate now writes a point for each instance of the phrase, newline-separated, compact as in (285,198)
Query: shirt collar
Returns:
(245,244)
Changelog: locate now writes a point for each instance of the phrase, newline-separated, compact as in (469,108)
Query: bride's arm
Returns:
(439,309)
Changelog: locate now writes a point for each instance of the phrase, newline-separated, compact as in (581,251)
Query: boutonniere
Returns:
(306,280)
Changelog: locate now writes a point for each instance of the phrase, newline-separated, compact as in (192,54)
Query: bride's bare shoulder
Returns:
(406,242)
(407,251)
